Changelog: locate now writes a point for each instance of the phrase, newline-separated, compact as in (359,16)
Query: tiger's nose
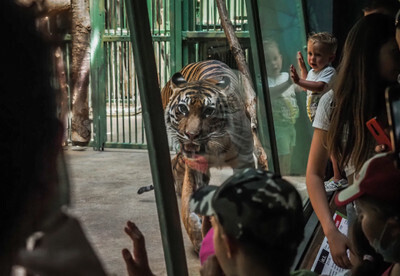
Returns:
(192,134)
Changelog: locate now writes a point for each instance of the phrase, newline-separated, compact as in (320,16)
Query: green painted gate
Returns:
(182,32)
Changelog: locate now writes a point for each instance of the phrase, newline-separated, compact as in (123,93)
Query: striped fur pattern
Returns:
(206,116)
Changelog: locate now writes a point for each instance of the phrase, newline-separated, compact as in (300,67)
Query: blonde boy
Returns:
(321,50)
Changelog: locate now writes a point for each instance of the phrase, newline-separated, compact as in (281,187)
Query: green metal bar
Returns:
(165,16)
(234,19)
(242,13)
(97,84)
(208,16)
(187,23)
(167,68)
(121,85)
(215,15)
(111,88)
(114,15)
(176,35)
(159,59)
(136,106)
(116,88)
(200,23)
(228,7)
(192,9)
(129,92)
(151,11)
(123,13)
(158,25)
(108,24)
(156,134)
(259,60)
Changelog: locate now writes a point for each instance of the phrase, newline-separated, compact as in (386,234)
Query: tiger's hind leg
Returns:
(192,222)
(178,170)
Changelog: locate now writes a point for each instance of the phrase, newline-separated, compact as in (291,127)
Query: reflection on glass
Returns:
(283,35)
(284,105)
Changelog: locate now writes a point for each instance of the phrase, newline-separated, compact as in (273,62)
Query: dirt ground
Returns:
(104,196)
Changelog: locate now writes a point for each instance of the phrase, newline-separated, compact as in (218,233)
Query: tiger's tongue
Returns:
(198,158)
(198,163)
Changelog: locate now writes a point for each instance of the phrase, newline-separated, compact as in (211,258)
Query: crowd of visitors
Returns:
(257,216)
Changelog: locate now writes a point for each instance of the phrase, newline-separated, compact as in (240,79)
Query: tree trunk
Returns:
(63,97)
(80,69)
(250,95)
(54,20)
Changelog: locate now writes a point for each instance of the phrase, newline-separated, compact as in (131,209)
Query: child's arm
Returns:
(315,86)
(277,90)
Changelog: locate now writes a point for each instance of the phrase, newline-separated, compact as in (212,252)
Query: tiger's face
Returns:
(196,115)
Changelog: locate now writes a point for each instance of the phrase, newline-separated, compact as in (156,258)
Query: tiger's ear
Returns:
(177,81)
(224,83)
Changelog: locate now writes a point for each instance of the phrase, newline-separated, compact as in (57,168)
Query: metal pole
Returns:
(157,141)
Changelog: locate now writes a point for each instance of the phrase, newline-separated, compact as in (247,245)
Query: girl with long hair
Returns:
(369,64)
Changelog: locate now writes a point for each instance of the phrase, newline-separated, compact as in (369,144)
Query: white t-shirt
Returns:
(324,111)
(322,121)
(327,76)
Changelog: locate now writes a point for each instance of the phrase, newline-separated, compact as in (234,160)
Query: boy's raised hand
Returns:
(302,65)
(137,263)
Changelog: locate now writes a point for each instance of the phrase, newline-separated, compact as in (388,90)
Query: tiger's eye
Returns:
(183,109)
(208,111)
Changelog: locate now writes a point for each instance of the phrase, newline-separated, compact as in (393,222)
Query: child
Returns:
(284,105)
(258,224)
(376,192)
(321,50)
(358,96)
(364,259)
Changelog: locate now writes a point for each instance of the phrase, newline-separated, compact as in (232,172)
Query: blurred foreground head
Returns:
(29,130)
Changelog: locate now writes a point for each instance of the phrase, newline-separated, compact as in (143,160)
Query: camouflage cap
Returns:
(253,206)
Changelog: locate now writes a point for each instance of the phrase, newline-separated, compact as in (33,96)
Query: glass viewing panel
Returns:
(217,139)
(221,131)
(283,36)
(220,138)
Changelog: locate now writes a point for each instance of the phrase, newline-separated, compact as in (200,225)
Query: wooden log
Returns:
(250,95)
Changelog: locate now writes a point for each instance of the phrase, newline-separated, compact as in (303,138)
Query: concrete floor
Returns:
(104,196)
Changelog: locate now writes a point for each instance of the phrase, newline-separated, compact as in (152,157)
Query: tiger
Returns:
(205,115)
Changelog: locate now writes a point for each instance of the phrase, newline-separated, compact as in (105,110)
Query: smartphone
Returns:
(379,134)
(392,96)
